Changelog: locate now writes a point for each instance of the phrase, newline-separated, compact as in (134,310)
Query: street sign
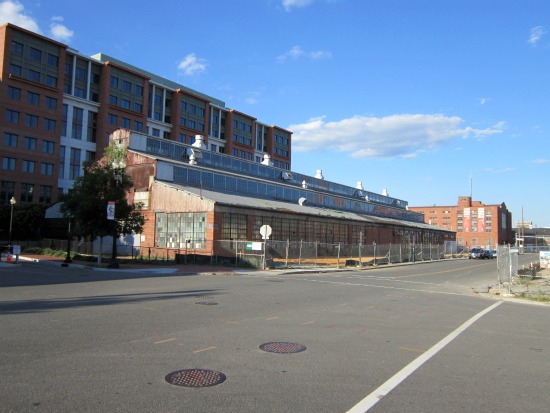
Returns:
(265,231)
(111,210)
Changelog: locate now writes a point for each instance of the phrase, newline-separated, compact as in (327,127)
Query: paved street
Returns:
(413,338)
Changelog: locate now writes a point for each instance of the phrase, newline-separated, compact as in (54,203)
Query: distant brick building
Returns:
(475,223)
(58,108)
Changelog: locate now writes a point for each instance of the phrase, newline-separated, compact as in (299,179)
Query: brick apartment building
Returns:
(58,108)
(475,223)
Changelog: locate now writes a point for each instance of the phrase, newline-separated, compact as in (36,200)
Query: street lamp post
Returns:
(68,256)
(118,168)
(12,203)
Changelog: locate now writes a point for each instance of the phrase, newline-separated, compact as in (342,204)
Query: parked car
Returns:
(476,253)
(488,254)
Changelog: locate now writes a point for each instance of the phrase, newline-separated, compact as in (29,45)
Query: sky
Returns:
(428,99)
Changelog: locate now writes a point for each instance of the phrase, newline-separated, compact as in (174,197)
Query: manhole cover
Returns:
(282,347)
(206,303)
(195,378)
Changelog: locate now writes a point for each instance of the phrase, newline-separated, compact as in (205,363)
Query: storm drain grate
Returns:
(195,378)
(282,347)
(206,303)
(204,296)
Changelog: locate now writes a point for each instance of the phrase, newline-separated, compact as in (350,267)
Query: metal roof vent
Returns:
(286,176)
(267,160)
(319,174)
(302,201)
(359,185)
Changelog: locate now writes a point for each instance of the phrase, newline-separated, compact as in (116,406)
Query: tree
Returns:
(86,204)
(27,221)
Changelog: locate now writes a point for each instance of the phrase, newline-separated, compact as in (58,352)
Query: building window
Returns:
(28,166)
(74,163)
(156,132)
(49,124)
(17,48)
(138,107)
(114,82)
(181,230)
(33,98)
(112,119)
(138,90)
(48,146)
(45,194)
(113,100)
(126,86)
(182,137)
(31,121)
(14,93)
(61,162)
(78,120)
(138,126)
(33,75)
(125,123)
(125,103)
(92,127)
(15,70)
(79,92)
(27,191)
(53,60)
(30,143)
(10,139)
(46,169)
(233,226)
(35,54)
(7,189)
(51,81)
(80,74)
(8,163)
(12,116)
(51,103)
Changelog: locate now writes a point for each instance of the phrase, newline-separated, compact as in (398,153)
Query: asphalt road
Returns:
(413,338)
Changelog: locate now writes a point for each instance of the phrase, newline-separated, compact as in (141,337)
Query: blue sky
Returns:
(430,99)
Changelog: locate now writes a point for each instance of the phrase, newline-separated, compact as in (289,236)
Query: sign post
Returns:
(265,232)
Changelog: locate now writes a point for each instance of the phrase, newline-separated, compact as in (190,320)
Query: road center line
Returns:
(373,398)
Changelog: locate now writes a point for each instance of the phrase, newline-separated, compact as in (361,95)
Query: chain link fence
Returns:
(270,253)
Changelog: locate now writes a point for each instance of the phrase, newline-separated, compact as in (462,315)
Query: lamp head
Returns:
(13,201)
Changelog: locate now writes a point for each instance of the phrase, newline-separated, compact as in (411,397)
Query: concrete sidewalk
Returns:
(128,266)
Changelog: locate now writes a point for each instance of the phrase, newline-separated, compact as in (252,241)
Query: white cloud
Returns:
(536,34)
(192,65)
(59,31)
(398,135)
(289,4)
(297,52)
(540,161)
(483,101)
(14,12)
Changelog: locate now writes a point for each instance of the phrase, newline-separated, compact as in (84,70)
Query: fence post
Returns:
(287,248)
(300,254)
(316,256)
(360,241)
(374,253)
(338,255)
(389,255)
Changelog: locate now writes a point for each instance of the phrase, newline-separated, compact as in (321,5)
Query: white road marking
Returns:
(373,398)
